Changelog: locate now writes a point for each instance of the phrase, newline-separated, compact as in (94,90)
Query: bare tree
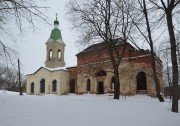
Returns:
(167,7)
(2,78)
(151,43)
(147,34)
(19,12)
(164,53)
(178,47)
(141,20)
(9,78)
(102,20)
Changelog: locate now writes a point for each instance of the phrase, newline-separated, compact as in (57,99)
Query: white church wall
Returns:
(62,78)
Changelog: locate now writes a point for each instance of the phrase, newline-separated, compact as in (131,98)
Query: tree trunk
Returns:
(174,61)
(117,83)
(20,88)
(116,72)
(157,84)
(153,64)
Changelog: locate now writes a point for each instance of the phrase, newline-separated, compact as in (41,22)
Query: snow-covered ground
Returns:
(84,110)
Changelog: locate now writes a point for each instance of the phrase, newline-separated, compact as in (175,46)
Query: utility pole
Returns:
(20,88)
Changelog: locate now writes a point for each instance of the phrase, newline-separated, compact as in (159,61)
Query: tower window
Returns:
(50,54)
(59,54)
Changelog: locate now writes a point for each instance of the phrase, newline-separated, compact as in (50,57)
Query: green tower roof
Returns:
(56,33)
(56,22)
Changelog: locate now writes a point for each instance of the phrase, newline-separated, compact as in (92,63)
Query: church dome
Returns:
(56,34)
(56,22)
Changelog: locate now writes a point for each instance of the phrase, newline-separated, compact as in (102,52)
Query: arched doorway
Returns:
(141,81)
(72,86)
(100,87)
(42,86)
(32,88)
(100,76)
(88,88)
(54,86)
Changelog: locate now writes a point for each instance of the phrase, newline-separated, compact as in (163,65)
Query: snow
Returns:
(59,40)
(84,110)
(57,68)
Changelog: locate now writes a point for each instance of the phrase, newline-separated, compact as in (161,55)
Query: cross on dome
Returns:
(56,16)
(56,22)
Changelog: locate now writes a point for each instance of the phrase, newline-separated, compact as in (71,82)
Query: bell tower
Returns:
(55,48)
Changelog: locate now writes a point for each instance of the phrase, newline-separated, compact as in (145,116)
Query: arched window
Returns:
(42,86)
(54,86)
(50,54)
(59,54)
(32,88)
(101,73)
(112,83)
(88,88)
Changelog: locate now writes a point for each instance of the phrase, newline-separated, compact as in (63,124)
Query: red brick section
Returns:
(91,62)
(72,72)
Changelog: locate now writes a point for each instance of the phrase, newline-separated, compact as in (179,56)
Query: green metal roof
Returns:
(56,22)
(56,34)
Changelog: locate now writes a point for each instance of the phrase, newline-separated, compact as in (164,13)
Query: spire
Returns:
(56,22)
(55,48)
(56,33)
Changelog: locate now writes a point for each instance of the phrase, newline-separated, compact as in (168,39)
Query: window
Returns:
(54,86)
(59,54)
(88,85)
(112,83)
(50,54)
(101,73)
(32,88)
(42,86)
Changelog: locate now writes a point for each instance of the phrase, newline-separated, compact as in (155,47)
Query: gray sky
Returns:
(32,46)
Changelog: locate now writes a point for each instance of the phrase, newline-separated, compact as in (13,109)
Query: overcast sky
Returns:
(32,46)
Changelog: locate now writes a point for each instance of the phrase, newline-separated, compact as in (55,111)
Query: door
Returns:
(100,88)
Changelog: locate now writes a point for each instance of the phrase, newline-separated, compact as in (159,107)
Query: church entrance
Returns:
(141,81)
(72,86)
(100,87)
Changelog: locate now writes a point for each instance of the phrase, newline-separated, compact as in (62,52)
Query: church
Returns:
(93,72)
(54,77)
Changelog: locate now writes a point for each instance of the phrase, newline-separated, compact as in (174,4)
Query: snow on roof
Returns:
(57,68)
(58,40)
(50,69)
(69,67)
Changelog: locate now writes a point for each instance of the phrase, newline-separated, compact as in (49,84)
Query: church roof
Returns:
(56,34)
(102,45)
(49,69)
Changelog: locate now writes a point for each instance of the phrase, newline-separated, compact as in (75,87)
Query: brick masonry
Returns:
(133,62)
